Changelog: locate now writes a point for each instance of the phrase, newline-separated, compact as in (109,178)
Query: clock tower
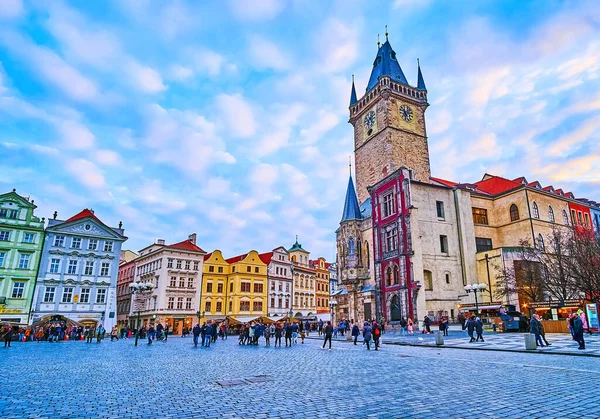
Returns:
(389,124)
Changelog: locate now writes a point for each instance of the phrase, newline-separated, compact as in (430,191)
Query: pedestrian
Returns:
(295,329)
(100,333)
(427,323)
(214,332)
(267,336)
(251,332)
(570,325)
(113,334)
(159,331)
(7,335)
(403,327)
(342,328)
(166,332)
(376,334)
(89,334)
(355,332)
(410,327)
(479,329)
(543,332)
(320,327)
(534,329)
(288,334)
(207,334)
(328,331)
(367,331)
(578,331)
(307,327)
(586,328)
(278,333)
(196,332)
(151,333)
(444,326)
(471,328)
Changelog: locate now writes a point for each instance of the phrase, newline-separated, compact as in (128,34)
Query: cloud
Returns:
(180,73)
(342,45)
(107,157)
(11,9)
(86,173)
(256,10)
(325,122)
(74,134)
(237,115)
(145,78)
(266,55)
(487,85)
(571,142)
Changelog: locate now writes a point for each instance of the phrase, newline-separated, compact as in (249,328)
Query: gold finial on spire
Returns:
(386,33)
(378,43)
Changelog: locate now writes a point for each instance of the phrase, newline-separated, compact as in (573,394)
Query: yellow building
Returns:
(247,286)
(322,290)
(215,286)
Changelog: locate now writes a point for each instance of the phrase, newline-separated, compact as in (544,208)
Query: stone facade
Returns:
(125,277)
(21,241)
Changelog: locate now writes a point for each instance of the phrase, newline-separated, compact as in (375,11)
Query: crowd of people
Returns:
(51,332)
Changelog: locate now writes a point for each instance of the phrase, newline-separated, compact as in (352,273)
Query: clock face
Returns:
(406,113)
(369,120)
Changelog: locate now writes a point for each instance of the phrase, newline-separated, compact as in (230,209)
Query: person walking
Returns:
(355,332)
(196,332)
(328,331)
(403,327)
(367,332)
(214,332)
(113,334)
(100,333)
(534,329)
(377,331)
(410,327)
(471,328)
(151,333)
(267,336)
(578,331)
(543,332)
(427,323)
(278,333)
(89,334)
(342,328)
(207,334)
(479,329)
(320,327)
(444,326)
(295,329)
(251,332)
(7,335)
(288,334)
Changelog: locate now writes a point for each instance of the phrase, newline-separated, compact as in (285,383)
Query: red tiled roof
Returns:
(496,184)
(186,245)
(236,258)
(266,257)
(445,182)
(208,255)
(83,214)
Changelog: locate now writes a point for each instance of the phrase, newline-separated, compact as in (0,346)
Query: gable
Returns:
(86,227)
(15,198)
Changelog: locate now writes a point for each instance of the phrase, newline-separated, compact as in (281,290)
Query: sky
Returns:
(230,118)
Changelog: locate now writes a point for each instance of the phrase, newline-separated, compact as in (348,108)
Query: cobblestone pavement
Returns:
(175,380)
(561,343)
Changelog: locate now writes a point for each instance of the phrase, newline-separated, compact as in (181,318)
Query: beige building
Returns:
(304,288)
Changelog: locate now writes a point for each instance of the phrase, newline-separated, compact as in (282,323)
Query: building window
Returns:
(587,219)
(565,218)
(387,207)
(76,242)
(188,303)
(272,285)
(13,214)
(220,269)
(248,268)
(173,282)
(211,268)
(2,257)
(257,306)
(550,214)
(540,241)
(29,238)
(231,287)
(233,269)
(54,265)
(179,303)
(49,294)
(93,244)
(67,295)
(24,260)
(244,305)
(573,217)
(182,282)
(536,211)
(4,236)
(59,241)
(190,282)
(89,268)
(72,268)
(18,290)
(287,303)
(188,265)
(258,288)
(104,268)
(428,278)
(195,266)
(480,216)
(219,307)
(3,212)
(287,287)
(256,270)
(245,287)
(169,263)
(108,246)
(230,306)
(444,244)
(171,303)
(447,278)
(439,205)
(220,288)
(483,244)
(579,218)
(391,239)
(514,212)
(273,301)
(209,287)
(84,295)
(101,296)
(178,264)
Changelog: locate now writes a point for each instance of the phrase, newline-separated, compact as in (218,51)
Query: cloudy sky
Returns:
(229,119)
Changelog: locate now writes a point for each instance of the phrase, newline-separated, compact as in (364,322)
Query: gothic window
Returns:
(367,254)
(389,277)
(540,241)
(391,239)
(428,277)
(396,274)
(536,211)
(359,252)
(565,218)
(387,207)
(351,246)
(514,212)
(550,214)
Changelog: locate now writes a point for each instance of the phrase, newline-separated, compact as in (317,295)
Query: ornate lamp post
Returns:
(475,288)
(142,290)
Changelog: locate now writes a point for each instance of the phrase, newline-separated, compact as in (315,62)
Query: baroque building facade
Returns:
(304,303)
(125,277)
(280,277)
(77,276)
(21,241)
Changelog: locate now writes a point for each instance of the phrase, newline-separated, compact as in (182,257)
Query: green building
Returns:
(21,241)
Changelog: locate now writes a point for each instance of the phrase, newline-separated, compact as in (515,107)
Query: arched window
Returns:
(428,277)
(550,214)
(368,262)
(565,218)
(514,212)
(536,211)
(540,242)
(359,253)
(396,274)
(389,277)
(351,246)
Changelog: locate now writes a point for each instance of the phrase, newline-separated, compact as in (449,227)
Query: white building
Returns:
(280,276)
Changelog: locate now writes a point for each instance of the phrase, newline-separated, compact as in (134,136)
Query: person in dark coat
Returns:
(207,332)
(328,332)
(479,329)
(367,331)
(534,329)
(196,332)
(376,334)
(355,332)
(214,332)
(278,333)
(578,331)
(288,334)
(427,323)
(471,328)
(203,333)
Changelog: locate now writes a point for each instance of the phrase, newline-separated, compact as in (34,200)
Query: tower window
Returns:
(440,209)
(550,214)
(536,211)
(514,212)
(388,205)
(444,244)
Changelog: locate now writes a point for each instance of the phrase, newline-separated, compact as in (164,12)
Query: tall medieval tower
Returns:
(389,124)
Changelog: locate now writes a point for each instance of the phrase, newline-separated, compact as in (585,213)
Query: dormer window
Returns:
(393,55)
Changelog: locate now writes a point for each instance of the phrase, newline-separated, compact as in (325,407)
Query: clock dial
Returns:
(369,120)
(406,113)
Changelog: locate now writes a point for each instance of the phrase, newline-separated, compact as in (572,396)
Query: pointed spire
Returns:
(351,207)
(386,34)
(378,43)
(353,99)
(420,81)
(386,64)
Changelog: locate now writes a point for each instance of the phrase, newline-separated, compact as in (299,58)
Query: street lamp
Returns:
(140,289)
(475,288)
(332,304)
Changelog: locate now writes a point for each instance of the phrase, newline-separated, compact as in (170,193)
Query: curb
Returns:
(523,351)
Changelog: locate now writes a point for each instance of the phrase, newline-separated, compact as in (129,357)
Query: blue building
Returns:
(78,272)
(595,211)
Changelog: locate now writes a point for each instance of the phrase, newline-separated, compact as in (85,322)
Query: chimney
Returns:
(161,242)
(120,225)
(192,238)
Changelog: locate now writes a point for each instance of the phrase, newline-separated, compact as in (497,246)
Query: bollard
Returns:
(439,338)
(530,343)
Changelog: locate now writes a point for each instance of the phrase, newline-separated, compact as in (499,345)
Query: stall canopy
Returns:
(242,319)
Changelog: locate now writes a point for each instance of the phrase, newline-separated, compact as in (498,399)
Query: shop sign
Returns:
(555,304)
(10,310)
(592,316)
(89,316)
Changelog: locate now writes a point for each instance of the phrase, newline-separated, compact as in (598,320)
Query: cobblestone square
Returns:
(175,380)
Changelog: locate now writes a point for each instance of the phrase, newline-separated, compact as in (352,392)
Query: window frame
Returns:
(439,207)
(514,213)
(480,216)
(19,287)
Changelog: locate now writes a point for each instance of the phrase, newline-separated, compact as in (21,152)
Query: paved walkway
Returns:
(561,343)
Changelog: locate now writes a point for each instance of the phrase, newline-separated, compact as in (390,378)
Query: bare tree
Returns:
(586,264)
(558,263)
(524,278)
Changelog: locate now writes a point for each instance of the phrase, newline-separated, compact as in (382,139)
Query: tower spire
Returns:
(350,165)
(353,98)
(378,43)
(351,207)
(386,33)
(420,81)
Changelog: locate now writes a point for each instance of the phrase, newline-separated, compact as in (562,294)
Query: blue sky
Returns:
(229,118)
